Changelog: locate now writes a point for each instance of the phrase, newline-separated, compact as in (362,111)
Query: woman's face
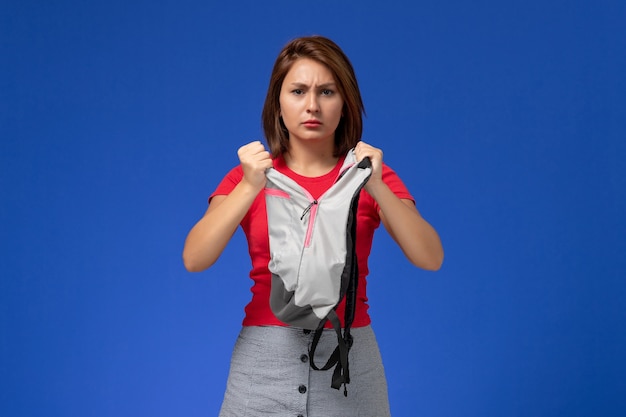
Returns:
(310,104)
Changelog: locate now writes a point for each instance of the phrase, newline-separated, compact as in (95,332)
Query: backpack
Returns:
(312,256)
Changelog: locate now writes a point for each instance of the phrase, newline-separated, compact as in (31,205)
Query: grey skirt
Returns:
(270,375)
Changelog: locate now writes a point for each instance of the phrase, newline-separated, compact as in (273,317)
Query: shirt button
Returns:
(301,389)
(304,358)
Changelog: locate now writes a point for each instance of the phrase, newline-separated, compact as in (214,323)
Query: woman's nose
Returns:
(313,105)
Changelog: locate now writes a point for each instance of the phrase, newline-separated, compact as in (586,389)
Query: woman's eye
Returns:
(297,91)
(327,92)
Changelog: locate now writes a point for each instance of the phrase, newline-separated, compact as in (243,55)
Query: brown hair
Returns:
(326,52)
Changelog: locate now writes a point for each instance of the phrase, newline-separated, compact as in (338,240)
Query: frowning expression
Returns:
(310,104)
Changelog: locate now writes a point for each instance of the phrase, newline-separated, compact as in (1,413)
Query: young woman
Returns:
(312,116)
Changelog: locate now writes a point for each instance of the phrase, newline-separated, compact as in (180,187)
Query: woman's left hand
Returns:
(363,150)
(415,236)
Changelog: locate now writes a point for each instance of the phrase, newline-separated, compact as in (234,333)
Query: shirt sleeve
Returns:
(395,184)
(229,182)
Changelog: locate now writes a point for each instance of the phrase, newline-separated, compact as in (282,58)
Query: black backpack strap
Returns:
(339,357)
(341,374)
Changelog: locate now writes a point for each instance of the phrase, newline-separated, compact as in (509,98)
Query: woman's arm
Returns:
(208,238)
(416,237)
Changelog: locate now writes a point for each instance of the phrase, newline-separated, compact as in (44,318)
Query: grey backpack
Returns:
(312,256)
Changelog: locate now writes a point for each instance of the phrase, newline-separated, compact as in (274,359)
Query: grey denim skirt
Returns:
(270,375)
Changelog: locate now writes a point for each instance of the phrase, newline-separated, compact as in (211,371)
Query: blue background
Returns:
(506,119)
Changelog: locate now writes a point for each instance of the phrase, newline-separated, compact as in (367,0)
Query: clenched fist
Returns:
(254,159)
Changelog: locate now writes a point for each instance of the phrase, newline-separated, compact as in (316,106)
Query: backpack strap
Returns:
(339,357)
(341,374)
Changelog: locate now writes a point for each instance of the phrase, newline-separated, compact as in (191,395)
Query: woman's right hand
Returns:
(208,237)
(254,159)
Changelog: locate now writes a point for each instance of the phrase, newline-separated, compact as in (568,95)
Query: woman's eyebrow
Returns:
(321,86)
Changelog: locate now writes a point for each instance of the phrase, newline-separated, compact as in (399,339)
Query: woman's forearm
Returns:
(416,237)
(210,235)
(208,238)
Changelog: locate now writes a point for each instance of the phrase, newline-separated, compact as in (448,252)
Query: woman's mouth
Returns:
(312,123)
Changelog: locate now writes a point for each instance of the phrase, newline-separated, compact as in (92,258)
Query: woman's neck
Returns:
(310,160)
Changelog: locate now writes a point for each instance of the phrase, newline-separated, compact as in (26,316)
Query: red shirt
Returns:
(254,225)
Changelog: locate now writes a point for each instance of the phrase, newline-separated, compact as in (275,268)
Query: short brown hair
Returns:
(326,52)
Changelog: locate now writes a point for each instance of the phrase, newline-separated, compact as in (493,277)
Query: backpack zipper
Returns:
(307,209)
(311,209)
